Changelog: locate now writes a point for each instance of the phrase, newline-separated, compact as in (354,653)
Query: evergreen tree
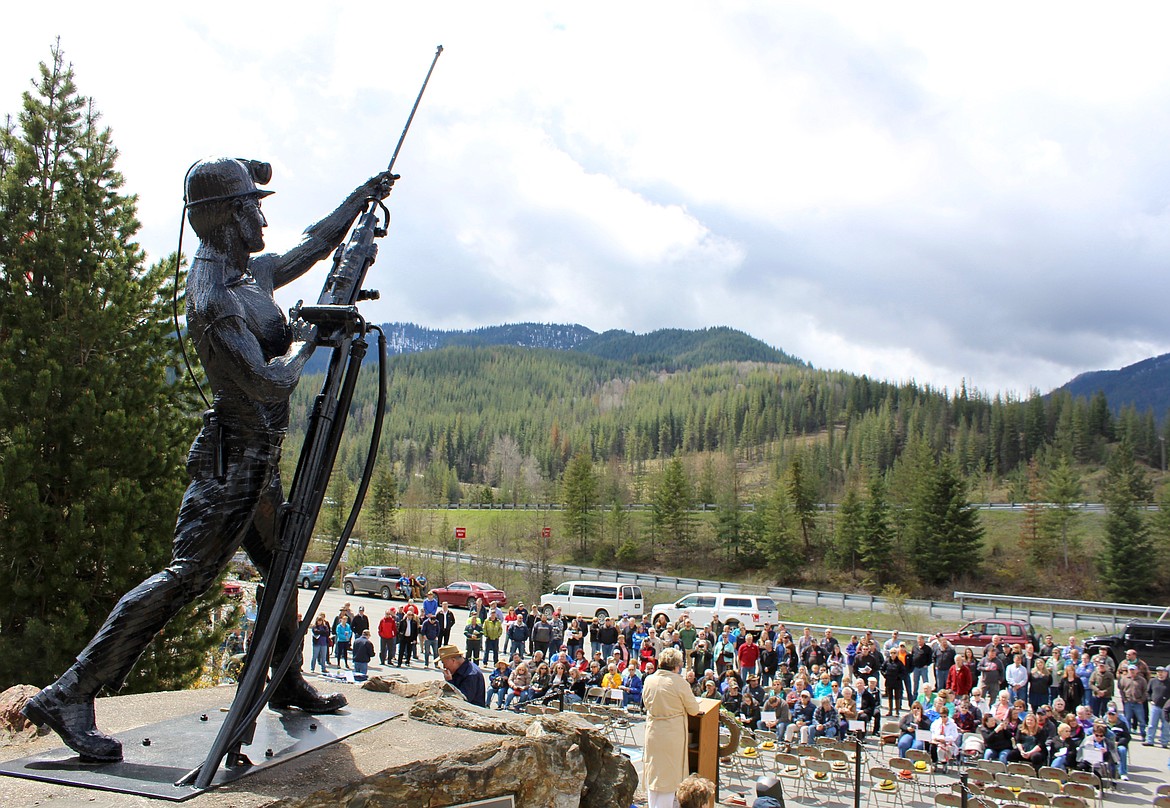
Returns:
(1062,490)
(1038,541)
(875,544)
(93,426)
(1127,559)
(671,518)
(778,530)
(946,536)
(382,509)
(850,527)
(580,500)
(802,500)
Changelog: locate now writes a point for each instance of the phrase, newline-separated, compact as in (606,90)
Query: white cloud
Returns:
(919,191)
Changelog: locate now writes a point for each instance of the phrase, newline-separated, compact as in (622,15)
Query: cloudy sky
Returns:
(930,191)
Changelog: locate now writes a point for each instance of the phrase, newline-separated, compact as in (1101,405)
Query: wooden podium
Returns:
(703,740)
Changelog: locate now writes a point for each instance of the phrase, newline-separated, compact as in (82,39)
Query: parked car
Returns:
(233,589)
(594,598)
(750,611)
(465,593)
(382,581)
(1150,639)
(312,575)
(978,633)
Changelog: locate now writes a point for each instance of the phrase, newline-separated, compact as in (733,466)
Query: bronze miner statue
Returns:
(253,358)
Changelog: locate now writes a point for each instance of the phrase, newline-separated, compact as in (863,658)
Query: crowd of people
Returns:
(1052,705)
(405,635)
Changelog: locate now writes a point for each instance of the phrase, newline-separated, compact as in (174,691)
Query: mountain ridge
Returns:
(1144,385)
(666,347)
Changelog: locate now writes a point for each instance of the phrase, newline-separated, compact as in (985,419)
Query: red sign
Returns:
(546,533)
(461,533)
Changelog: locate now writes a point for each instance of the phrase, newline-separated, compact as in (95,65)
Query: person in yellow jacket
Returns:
(668,701)
(493,629)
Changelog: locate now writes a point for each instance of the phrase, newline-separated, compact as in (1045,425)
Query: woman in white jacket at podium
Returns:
(668,701)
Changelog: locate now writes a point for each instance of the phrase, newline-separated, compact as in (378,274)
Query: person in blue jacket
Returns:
(464,674)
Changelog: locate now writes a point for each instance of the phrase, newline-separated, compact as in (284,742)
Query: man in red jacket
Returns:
(748,655)
(387,633)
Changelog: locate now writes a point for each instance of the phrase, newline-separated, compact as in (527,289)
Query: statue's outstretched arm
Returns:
(322,238)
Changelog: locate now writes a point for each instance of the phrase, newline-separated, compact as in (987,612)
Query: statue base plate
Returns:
(178,745)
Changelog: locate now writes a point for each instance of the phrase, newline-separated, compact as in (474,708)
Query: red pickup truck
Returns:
(978,633)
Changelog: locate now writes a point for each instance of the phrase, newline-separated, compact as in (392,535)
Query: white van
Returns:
(750,611)
(594,598)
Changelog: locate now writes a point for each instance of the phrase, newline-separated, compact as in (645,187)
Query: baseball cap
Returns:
(1160,668)
(1113,708)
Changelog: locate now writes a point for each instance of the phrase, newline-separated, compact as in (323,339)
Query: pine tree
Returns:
(850,527)
(93,426)
(1127,559)
(382,510)
(946,536)
(803,501)
(874,547)
(1033,536)
(1062,490)
(581,499)
(671,517)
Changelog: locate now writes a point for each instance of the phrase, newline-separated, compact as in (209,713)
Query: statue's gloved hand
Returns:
(303,331)
(379,185)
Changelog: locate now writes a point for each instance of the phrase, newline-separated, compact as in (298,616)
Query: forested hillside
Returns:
(900,462)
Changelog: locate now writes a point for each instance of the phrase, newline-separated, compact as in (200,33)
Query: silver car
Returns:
(382,581)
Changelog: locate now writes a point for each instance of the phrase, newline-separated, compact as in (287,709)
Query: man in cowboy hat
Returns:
(464,674)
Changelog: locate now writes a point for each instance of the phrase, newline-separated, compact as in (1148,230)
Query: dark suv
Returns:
(1151,640)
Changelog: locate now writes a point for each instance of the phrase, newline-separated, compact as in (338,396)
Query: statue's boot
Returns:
(295,692)
(66,707)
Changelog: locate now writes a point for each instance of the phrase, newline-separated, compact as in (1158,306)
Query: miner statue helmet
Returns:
(225,178)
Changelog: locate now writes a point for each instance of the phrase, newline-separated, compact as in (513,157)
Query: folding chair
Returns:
(1067,801)
(1013,781)
(1052,773)
(1162,790)
(1022,769)
(948,799)
(748,757)
(1034,798)
(614,697)
(994,766)
(1088,793)
(1162,800)
(818,776)
(907,776)
(1045,786)
(923,767)
(889,735)
(884,785)
(621,731)
(595,695)
(978,774)
(838,760)
(999,794)
(1090,779)
(789,769)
